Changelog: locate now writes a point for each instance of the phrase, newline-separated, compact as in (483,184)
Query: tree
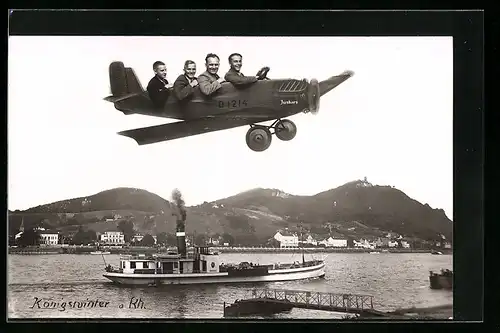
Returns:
(273,243)
(161,238)
(171,240)
(200,240)
(72,221)
(147,240)
(247,239)
(12,240)
(29,237)
(83,237)
(127,227)
(227,238)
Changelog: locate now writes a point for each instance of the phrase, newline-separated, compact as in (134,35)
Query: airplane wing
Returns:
(181,129)
(328,84)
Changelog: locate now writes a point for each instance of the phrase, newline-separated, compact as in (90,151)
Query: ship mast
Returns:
(302,240)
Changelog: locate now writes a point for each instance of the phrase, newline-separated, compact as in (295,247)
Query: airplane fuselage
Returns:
(266,99)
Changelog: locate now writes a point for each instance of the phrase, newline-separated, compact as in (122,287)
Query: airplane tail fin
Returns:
(123,80)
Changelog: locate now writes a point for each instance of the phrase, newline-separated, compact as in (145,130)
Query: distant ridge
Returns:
(257,213)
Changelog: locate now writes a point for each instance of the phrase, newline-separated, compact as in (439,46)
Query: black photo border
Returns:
(466,28)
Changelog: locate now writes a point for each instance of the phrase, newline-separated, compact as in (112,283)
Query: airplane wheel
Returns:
(285,130)
(258,138)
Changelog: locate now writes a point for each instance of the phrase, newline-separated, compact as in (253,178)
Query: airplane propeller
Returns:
(313,96)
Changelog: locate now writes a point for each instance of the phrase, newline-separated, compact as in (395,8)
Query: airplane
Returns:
(229,107)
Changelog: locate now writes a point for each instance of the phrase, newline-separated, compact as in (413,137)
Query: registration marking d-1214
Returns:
(234,103)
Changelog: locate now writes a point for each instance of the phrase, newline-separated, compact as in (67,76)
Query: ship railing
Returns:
(296,265)
(333,300)
(153,256)
(161,271)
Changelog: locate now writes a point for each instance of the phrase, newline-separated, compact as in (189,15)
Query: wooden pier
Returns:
(256,299)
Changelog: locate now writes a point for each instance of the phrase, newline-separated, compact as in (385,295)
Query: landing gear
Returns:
(259,137)
(285,130)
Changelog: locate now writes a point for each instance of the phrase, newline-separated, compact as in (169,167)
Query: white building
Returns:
(363,243)
(49,238)
(333,242)
(311,240)
(138,237)
(287,239)
(393,244)
(113,238)
(405,244)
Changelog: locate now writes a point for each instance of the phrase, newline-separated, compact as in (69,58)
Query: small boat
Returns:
(436,252)
(441,281)
(100,252)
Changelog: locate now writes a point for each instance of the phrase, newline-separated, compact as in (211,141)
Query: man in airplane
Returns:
(209,81)
(234,75)
(184,85)
(158,87)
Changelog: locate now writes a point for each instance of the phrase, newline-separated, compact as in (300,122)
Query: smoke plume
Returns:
(181,209)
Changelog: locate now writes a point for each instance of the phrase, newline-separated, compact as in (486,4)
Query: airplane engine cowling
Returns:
(313,96)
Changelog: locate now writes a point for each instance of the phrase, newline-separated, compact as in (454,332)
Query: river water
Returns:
(395,280)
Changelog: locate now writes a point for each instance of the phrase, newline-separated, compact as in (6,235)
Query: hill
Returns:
(355,209)
(377,207)
(122,198)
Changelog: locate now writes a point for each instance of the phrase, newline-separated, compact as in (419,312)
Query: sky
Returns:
(391,122)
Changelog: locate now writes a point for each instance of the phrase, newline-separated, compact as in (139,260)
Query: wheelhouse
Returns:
(201,261)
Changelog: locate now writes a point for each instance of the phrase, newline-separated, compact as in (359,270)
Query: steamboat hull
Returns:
(208,278)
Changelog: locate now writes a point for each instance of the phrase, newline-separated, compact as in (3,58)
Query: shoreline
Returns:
(149,250)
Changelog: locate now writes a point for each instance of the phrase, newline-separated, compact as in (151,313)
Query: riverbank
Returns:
(317,250)
(34,250)
(434,312)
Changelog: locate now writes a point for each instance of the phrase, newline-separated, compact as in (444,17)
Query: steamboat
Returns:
(203,266)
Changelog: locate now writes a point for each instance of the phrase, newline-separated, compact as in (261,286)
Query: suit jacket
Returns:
(182,88)
(157,91)
(208,83)
(238,79)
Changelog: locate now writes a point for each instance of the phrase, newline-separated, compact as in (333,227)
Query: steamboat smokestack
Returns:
(181,222)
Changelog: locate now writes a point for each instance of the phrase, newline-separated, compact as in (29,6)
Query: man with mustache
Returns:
(209,81)
(184,85)
(158,87)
